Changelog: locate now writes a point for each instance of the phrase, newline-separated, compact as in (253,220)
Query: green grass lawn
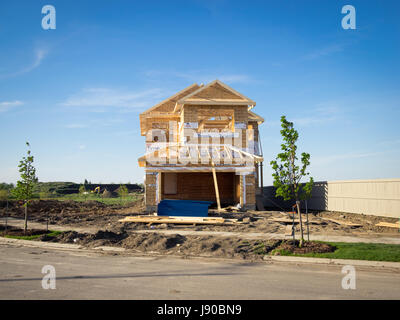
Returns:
(36,236)
(356,251)
(93,197)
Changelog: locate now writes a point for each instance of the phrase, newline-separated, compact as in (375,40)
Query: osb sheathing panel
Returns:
(216,91)
(254,126)
(250,189)
(169,105)
(150,189)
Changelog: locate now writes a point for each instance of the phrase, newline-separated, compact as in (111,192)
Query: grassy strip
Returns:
(92,197)
(34,237)
(356,251)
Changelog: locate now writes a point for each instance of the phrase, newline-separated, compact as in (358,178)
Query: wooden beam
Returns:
(179,220)
(388,224)
(216,185)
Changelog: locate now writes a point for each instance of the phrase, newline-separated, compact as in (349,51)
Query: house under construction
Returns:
(202,143)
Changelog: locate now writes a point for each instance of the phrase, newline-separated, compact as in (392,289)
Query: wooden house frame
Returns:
(202,144)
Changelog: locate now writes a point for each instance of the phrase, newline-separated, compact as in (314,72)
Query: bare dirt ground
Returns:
(111,232)
(97,214)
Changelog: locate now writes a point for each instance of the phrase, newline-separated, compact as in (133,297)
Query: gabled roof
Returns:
(256,117)
(168,104)
(214,93)
(217,93)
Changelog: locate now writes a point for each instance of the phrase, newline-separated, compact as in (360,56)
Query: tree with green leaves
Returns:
(288,173)
(122,191)
(82,191)
(4,194)
(24,189)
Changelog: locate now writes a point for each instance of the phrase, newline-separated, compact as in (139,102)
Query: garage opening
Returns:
(200,186)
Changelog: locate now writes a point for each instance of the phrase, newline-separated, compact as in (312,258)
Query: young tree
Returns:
(24,189)
(82,191)
(287,174)
(122,191)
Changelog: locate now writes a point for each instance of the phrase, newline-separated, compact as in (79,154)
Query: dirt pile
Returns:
(153,242)
(14,231)
(206,246)
(308,247)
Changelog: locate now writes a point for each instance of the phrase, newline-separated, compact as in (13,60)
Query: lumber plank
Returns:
(216,186)
(178,220)
(388,224)
(345,223)
(290,221)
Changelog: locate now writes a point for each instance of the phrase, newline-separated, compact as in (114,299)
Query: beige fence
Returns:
(380,197)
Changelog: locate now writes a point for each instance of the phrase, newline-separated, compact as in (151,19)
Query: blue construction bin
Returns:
(183,208)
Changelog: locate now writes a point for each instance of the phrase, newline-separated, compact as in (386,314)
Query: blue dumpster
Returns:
(184,208)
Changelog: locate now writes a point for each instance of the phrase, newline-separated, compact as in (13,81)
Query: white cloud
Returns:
(82,147)
(321,114)
(39,55)
(108,122)
(76,126)
(196,76)
(325,51)
(337,157)
(7,105)
(101,99)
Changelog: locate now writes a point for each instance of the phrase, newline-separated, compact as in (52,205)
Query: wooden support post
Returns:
(216,186)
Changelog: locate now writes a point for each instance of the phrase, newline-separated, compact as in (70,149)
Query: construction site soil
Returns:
(110,232)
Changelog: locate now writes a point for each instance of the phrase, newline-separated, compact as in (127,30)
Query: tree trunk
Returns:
(300,223)
(26,218)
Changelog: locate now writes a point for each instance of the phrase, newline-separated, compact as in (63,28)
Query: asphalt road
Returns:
(81,275)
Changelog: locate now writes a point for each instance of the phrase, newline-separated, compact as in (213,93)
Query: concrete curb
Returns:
(360,263)
(60,246)
(39,244)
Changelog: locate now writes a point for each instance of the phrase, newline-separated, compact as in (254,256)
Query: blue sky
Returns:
(75,93)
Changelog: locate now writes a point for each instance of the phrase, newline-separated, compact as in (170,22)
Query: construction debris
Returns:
(348,224)
(179,220)
(290,221)
(389,225)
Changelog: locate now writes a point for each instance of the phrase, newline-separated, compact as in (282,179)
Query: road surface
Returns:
(88,275)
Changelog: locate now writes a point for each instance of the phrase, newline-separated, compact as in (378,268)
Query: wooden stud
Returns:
(216,185)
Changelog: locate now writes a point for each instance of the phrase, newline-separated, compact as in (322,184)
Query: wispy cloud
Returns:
(321,114)
(390,143)
(7,105)
(102,99)
(76,126)
(324,51)
(39,55)
(200,76)
(108,122)
(322,160)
